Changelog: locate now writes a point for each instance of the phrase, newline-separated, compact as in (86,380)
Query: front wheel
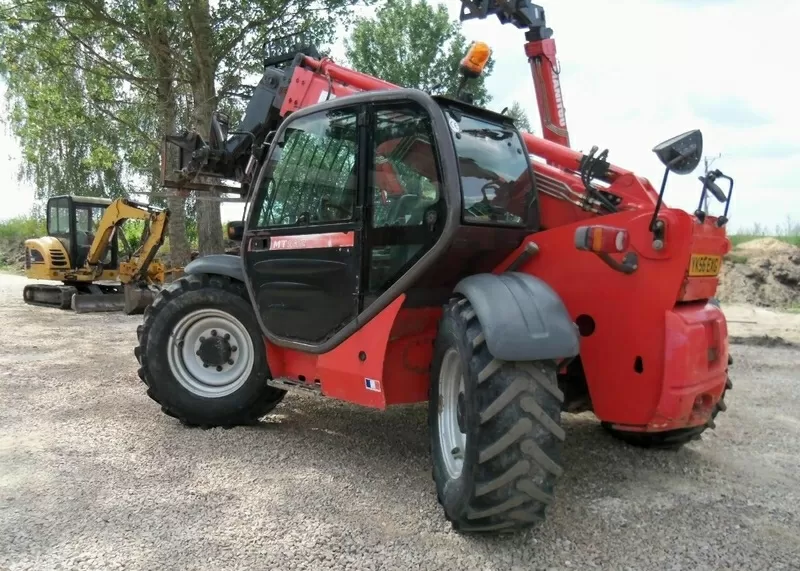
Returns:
(495,429)
(202,355)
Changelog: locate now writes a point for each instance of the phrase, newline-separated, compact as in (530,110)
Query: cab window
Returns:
(495,173)
(405,186)
(58,217)
(312,177)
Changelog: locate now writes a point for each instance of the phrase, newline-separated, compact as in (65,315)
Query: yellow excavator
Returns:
(81,250)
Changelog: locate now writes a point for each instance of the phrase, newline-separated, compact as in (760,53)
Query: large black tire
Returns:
(511,415)
(248,402)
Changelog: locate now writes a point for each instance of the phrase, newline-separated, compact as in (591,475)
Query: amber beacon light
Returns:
(476,59)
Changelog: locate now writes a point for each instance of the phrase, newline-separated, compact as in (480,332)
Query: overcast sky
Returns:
(634,73)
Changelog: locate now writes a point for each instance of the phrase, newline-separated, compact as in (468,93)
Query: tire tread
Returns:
(519,436)
(242,416)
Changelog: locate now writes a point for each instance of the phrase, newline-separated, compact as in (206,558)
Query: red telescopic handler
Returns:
(401,247)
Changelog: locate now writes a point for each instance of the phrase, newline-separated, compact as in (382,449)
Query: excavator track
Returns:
(81,298)
(46,295)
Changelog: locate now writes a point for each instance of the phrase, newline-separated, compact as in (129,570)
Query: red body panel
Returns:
(634,317)
(652,362)
(342,373)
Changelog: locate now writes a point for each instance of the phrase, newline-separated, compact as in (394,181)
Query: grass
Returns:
(788,232)
(738,239)
(737,258)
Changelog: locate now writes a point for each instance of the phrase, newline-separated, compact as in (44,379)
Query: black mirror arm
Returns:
(722,220)
(660,200)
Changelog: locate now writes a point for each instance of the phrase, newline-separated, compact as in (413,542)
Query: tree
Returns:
(412,44)
(93,86)
(520,117)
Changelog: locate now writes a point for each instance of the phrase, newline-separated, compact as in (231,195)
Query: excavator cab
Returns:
(72,223)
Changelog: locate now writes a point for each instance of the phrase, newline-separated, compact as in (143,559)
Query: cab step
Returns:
(297,386)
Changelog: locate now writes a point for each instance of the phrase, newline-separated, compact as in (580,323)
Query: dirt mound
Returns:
(12,255)
(767,245)
(763,272)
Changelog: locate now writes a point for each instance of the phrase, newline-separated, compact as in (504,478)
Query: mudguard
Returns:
(222,264)
(523,318)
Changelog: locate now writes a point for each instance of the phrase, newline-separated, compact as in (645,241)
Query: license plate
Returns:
(703,266)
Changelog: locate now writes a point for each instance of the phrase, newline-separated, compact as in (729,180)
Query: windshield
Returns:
(495,176)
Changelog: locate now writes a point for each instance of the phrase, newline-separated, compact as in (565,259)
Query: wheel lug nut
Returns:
(197,353)
(233,349)
(205,365)
(227,336)
(219,368)
(213,332)
(230,361)
(202,339)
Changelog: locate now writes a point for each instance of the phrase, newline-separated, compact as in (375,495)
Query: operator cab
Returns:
(73,221)
(378,194)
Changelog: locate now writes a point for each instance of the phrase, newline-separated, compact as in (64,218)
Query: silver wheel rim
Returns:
(452,441)
(187,366)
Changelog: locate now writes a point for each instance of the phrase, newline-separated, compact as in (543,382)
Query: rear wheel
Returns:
(495,430)
(202,355)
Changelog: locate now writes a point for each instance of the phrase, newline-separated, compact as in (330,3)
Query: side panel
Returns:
(46,259)
(351,372)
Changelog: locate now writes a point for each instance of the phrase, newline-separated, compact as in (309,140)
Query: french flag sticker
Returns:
(372,385)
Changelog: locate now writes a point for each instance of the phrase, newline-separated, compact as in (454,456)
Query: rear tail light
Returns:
(606,239)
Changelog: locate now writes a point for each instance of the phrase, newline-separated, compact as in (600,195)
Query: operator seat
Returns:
(84,243)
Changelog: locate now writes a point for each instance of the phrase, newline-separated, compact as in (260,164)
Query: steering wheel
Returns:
(493,209)
(326,204)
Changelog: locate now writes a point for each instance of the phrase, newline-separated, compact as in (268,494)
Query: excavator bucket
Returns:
(137,298)
(132,301)
(97,302)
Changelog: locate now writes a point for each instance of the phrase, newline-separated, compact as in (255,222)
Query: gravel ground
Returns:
(93,476)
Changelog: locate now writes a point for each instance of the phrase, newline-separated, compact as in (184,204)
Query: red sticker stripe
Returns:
(313,241)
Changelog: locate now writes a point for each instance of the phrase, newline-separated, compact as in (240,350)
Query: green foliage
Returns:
(788,232)
(67,102)
(93,86)
(520,117)
(414,44)
(737,239)
(737,258)
(22,228)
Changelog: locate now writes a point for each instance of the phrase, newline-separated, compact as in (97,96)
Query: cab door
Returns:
(302,245)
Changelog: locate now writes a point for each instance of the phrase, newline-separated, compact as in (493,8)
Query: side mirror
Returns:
(713,187)
(235,231)
(681,154)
